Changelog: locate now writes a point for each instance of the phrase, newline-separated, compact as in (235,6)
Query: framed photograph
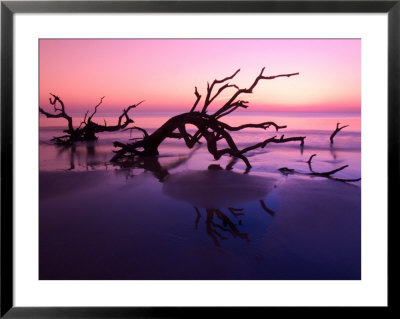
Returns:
(161,158)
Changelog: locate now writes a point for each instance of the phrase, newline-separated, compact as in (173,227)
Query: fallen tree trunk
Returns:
(209,126)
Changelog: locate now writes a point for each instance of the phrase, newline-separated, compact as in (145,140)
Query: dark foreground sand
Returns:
(197,224)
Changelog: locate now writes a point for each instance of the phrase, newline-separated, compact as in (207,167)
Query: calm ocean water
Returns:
(347,145)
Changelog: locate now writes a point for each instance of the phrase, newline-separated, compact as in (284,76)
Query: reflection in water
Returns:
(153,165)
(217,188)
(333,151)
(213,190)
(268,210)
(192,187)
(150,164)
(74,155)
(85,155)
(214,230)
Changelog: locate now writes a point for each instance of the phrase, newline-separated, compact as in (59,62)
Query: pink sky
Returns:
(165,72)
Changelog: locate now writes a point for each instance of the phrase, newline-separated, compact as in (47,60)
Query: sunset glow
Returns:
(165,72)
(256,176)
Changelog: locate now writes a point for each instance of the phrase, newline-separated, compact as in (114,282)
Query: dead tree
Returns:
(337,130)
(208,126)
(87,129)
(328,174)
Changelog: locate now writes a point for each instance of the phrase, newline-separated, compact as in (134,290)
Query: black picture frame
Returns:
(9,8)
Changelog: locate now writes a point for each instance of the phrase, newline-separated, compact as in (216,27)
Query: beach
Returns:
(183,216)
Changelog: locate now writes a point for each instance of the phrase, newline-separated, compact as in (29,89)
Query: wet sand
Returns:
(106,224)
(177,219)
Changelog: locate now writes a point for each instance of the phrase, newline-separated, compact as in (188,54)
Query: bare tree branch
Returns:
(61,114)
(95,109)
(198,97)
(209,127)
(337,130)
(231,101)
(87,129)
(207,101)
(328,174)
(263,125)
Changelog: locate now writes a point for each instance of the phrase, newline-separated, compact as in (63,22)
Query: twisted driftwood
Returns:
(208,126)
(87,129)
(328,174)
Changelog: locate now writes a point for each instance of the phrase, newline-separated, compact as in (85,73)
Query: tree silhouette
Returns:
(328,174)
(337,130)
(208,126)
(87,129)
